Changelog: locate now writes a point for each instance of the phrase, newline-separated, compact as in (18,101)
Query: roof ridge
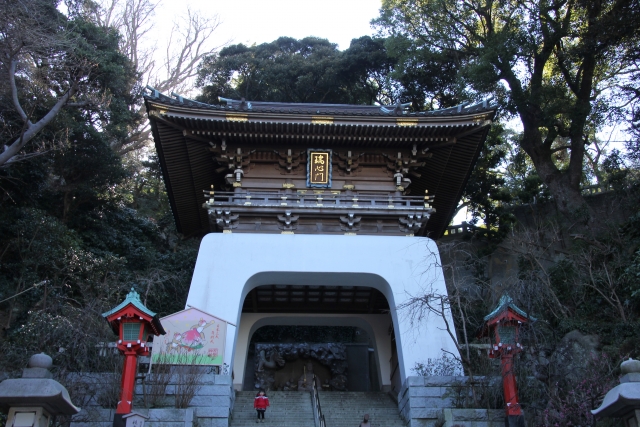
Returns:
(244,106)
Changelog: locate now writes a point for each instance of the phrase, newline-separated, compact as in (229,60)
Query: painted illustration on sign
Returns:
(193,337)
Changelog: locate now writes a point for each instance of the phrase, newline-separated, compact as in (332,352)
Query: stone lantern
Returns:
(502,326)
(32,400)
(623,401)
(133,323)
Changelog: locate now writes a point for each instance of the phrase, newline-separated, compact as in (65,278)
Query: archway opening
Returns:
(342,356)
(283,357)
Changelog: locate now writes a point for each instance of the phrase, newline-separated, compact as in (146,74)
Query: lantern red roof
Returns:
(131,308)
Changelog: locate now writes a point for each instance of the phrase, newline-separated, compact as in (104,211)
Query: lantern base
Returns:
(509,421)
(118,421)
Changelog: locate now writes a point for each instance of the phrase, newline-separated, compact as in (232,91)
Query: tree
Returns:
(188,42)
(71,245)
(367,72)
(551,63)
(286,70)
(53,62)
(307,70)
(486,193)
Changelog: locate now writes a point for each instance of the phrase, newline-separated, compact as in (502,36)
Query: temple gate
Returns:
(317,216)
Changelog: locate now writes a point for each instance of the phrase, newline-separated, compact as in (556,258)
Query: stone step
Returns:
(341,409)
(287,409)
(346,409)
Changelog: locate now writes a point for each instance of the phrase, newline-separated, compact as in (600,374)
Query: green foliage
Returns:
(429,78)
(77,220)
(65,71)
(306,70)
(284,70)
(486,194)
(87,271)
(547,63)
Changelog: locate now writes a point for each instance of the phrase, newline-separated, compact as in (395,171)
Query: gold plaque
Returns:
(157,113)
(407,122)
(234,117)
(321,120)
(319,168)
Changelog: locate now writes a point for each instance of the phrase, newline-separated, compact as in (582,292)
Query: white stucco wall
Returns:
(230,265)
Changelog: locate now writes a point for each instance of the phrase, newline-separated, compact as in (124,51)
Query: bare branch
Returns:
(32,129)
(187,44)
(14,92)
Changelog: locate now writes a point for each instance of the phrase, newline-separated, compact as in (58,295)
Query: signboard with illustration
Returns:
(193,338)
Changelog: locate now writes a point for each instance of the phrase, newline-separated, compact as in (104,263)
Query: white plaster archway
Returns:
(230,265)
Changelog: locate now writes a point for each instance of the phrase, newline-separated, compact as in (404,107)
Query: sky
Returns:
(260,21)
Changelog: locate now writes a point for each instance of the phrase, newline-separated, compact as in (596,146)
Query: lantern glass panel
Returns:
(131,331)
(24,419)
(507,334)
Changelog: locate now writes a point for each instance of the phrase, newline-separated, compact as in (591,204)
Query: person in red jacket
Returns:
(261,403)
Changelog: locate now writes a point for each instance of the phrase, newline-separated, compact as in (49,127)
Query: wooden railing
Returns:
(314,199)
(317,409)
(588,190)
(459,229)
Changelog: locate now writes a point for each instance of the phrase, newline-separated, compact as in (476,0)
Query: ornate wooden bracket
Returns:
(288,222)
(348,163)
(411,223)
(351,222)
(290,161)
(235,163)
(223,219)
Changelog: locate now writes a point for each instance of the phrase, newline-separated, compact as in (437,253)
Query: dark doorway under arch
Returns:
(356,346)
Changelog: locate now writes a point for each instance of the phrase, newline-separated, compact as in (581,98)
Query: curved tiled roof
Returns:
(506,302)
(133,298)
(183,130)
(243,106)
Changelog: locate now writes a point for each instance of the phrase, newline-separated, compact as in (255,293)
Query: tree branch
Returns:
(14,92)
(32,130)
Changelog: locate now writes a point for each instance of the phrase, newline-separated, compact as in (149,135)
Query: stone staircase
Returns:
(340,409)
(346,409)
(287,409)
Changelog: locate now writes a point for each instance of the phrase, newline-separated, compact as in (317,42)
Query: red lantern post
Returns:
(133,323)
(502,325)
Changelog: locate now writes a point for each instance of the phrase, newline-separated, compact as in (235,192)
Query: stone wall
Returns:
(433,401)
(423,402)
(210,407)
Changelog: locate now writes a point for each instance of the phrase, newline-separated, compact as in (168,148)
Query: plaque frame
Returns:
(310,184)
